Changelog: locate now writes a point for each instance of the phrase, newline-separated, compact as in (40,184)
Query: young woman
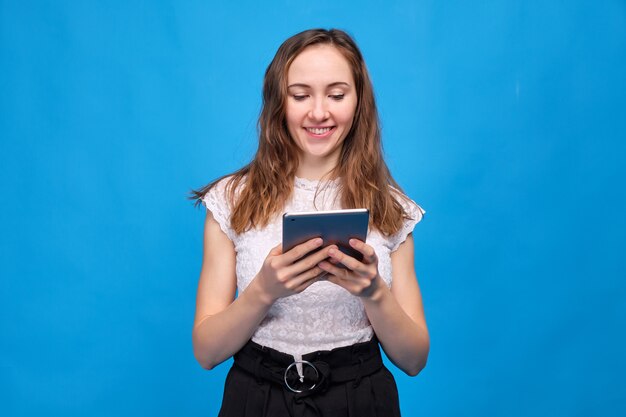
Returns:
(304,332)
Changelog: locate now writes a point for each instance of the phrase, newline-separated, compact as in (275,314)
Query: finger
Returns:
(305,286)
(336,280)
(345,276)
(369,254)
(333,269)
(347,261)
(321,277)
(302,249)
(309,261)
(347,285)
(310,275)
(354,285)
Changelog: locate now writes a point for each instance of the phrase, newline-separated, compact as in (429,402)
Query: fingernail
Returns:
(332,252)
(319,241)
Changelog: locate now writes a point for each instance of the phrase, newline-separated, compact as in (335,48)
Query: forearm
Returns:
(405,342)
(218,337)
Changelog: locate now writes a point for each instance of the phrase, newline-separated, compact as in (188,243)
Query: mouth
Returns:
(320,131)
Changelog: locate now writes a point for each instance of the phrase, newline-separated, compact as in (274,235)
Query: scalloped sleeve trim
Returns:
(216,201)
(416,213)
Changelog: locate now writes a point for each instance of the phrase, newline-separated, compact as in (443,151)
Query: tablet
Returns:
(334,226)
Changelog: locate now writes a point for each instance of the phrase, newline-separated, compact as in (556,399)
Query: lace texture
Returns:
(324,316)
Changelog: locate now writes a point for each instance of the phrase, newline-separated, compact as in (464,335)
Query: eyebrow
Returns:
(335,84)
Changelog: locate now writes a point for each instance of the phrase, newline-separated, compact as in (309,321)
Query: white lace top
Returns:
(324,316)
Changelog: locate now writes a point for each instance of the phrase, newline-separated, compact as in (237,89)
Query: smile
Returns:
(318,130)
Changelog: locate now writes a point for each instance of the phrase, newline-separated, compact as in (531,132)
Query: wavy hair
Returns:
(259,190)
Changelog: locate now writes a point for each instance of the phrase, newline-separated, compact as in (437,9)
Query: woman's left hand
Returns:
(360,278)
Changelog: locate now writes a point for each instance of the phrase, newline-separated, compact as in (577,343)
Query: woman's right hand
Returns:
(224,322)
(289,273)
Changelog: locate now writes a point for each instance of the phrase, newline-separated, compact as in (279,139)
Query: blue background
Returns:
(506,120)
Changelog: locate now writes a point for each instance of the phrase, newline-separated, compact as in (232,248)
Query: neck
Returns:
(315,169)
(313,172)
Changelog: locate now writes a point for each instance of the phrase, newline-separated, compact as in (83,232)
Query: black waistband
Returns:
(334,366)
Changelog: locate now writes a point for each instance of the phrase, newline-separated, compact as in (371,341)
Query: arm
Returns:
(397,315)
(223,323)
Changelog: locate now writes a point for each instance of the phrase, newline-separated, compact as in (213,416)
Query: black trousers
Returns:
(349,381)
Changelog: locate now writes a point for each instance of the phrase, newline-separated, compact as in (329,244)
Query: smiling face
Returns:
(320,106)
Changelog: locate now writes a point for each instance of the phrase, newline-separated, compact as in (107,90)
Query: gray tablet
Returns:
(334,226)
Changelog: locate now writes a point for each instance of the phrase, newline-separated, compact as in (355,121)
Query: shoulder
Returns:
(412,210)
(222,189)
(413,214)
(217,200)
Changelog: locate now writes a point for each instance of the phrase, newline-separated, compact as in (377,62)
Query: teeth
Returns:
(318,131)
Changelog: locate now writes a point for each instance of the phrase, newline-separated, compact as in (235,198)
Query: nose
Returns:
(319,111)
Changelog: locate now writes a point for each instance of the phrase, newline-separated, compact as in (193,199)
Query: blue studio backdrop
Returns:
(505,120)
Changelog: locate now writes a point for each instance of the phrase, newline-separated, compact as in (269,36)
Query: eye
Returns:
(337,97)
(299,97)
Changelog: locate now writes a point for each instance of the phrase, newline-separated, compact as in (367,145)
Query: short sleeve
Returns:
(415,213)
(217,202)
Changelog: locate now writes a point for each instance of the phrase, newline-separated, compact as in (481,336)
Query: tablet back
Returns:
(334,226)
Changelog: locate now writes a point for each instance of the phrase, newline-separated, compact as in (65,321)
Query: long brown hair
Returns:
(260,189)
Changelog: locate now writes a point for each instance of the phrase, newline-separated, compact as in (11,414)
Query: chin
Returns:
(319,153)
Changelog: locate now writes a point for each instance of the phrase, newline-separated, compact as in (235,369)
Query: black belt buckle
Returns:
(301,386)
